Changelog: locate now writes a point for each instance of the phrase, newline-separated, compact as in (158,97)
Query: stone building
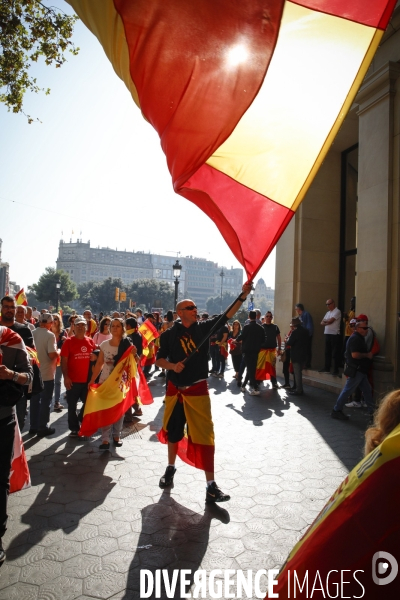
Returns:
(199,278)
(263,294)
(344,240)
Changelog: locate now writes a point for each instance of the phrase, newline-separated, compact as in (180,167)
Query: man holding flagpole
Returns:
(187,402)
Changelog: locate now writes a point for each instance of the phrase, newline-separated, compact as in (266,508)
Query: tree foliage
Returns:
(45,289)
(99,295)
(213,304)
(152,293)
(28,30)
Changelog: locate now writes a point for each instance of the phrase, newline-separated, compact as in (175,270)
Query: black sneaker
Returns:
(168,477)
(338,414)
(214,494)
(33,431)
(46,432)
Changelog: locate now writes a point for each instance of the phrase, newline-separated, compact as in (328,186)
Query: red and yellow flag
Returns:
(359,520)
(197,446)
(149,333)
(247,96)
(20,298)
(20,478)
(108,401)
(266,364)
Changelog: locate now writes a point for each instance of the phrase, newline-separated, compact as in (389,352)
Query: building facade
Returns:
(344,240)
(199,278)
(4,275)
(263,294)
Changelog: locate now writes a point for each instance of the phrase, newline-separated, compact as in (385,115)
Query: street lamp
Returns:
(58,286)
(177,273)
(222,275)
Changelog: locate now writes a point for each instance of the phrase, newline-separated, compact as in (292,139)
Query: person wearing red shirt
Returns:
(75,361)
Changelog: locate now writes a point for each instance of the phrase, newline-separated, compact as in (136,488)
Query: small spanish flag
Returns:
(20,298)
(149,333)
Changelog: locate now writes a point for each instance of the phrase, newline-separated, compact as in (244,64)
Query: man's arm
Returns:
(359,355)
(246,289)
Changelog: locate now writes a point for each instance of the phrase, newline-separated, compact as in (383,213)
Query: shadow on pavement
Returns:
(172,537)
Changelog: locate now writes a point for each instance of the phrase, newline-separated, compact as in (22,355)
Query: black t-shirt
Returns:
(356,343)
(179,341)
(220,332)
(136,339)
(271,332)
(24,332)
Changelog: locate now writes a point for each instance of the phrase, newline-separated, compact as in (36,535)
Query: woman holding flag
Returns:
(110,353)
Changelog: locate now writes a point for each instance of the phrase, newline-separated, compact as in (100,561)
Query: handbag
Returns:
(349,370)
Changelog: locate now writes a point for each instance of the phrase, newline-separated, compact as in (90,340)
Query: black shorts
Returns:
(176,423)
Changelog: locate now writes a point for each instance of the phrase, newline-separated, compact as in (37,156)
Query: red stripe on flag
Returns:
(227,203)
(179,52)
(374,13)
(195,455)
(102,418)
(144,390)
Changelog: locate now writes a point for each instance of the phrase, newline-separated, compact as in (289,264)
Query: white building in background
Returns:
(263,293)
(199,279)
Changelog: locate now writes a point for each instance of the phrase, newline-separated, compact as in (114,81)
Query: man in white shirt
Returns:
(46,347)
(331,323)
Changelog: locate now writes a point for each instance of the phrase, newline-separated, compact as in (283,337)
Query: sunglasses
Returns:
(192,307)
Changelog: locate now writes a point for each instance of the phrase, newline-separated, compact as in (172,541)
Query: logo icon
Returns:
(384,568)
(83,349)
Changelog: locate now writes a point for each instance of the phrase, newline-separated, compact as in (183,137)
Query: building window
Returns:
(348,226)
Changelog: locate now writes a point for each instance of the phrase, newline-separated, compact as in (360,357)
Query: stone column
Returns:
(378,215)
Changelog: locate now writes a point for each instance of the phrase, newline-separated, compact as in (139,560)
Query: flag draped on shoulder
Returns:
(20,298)
(266,364)
(345,536)
(10,338)
(107,402)
(247,96)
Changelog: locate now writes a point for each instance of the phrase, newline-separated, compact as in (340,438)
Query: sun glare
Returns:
(236,55)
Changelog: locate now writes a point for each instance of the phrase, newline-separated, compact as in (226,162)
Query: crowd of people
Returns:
(43,352)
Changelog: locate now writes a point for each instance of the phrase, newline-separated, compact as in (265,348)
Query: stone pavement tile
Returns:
(19,591)
(104,584)
(61,588)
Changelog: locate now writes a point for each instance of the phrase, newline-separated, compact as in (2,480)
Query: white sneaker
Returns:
(254,392)
(353,404)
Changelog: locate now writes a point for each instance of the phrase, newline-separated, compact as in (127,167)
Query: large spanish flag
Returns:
(246,95)
(196,448)
(358,521)
(107,402)
(266,362)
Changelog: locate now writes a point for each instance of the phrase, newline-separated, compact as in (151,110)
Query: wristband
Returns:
(241,299)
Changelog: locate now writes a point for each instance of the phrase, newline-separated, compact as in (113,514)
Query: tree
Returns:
(99,295)
(150,292)
(45,289)
(213,304)
(28,30)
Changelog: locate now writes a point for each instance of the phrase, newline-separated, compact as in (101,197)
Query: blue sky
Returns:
(94,167)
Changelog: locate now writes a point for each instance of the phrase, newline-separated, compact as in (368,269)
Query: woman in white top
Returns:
(104,331)
(104,367)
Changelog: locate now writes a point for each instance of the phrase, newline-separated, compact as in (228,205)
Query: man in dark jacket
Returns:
(358,360)
(252,338)
(298,342)
(15,367)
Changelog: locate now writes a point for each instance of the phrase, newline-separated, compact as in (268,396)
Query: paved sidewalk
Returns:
(92,519)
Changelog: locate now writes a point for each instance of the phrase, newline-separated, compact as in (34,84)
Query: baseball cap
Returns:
(80,319)
(362,318)
(45,318)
